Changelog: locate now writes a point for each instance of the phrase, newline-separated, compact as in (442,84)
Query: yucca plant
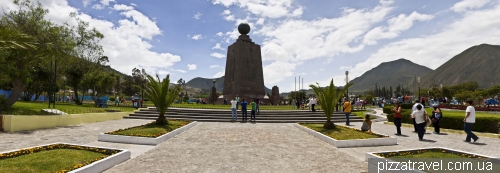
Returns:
(162,96)
(13,39)
(328,97)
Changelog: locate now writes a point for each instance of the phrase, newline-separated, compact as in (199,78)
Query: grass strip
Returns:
(55,160)
(151,129)
(342,133)
(35,108)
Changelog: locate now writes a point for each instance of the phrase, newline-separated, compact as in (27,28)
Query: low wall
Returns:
(12,123)
(1,123)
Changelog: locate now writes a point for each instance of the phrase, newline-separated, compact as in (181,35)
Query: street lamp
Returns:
(418,80)
(213,95)
(143,75)
(347,82)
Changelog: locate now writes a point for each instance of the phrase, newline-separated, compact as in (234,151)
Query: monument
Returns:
(244,76)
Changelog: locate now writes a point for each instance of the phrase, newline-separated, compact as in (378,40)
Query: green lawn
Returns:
(34,108)
(341,133)
(48,161)
(151,130)
(462,113)
(430,155)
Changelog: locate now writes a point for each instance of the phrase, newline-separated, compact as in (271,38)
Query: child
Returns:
(367,124)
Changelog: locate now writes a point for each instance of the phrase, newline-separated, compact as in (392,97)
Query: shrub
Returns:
(483,124)
(3,103)
(406,106)
(111,98)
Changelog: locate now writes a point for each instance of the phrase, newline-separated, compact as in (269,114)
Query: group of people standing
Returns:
(421,119)
(235,102)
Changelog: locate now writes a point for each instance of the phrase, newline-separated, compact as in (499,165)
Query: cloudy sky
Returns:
(315,39)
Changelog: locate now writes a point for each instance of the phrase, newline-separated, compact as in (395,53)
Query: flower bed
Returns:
(376,140)
(145,139)
(98,159)
(412,159)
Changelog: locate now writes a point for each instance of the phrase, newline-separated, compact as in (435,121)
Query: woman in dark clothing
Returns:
(437,115)
(397,118)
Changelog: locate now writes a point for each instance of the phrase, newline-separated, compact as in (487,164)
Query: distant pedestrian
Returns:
(420,115)
(469,120)
(117,100)
(257,101)
(339,102)
(254,109)
(413,109)
(297,102)
(436,116)
(397,118)
(347,110)
(313,103)
(234,115)
(237,102)
(293,104)
(244,110)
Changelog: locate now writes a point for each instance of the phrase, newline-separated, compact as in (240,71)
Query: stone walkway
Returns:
(243,147)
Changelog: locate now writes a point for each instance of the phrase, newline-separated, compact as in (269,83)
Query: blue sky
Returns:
(318,40)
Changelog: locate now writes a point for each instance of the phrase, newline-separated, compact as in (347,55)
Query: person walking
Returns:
(254,109)
(420,117)
(347,110)
(413,109)
(117,100)
(237,102)
(397,118)
(293,104)
(244,110)
(313,103)
(234,115)
(469,120)
(297,102)
(436,117)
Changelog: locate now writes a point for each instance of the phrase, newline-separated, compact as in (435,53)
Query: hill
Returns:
(479,63)
(388,74)
(206,84)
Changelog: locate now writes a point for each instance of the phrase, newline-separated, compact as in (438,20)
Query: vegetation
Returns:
(341,133)
(35,108)
(152,130)
(328,98)
(161,95)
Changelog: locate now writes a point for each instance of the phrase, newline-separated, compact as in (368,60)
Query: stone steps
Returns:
(217,115)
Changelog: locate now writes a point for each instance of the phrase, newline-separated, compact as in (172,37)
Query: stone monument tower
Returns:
(244,76)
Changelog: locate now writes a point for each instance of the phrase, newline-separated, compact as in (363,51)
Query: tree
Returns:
(162,96)
(101,81)
(13,39)
(328,98)
(51,42)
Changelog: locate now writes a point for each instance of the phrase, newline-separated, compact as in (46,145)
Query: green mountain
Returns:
(206,84)
(401,71)
(479,63)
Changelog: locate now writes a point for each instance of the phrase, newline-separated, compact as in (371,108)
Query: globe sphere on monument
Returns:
(244,28)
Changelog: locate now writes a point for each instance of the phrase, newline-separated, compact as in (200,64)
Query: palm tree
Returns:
(13,39)
(328,97)
(160,93)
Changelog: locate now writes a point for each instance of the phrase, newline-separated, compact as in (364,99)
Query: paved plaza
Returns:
(241,147)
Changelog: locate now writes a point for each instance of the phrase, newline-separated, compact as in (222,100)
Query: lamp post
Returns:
(347,82)
(143,75)
(418,80)
(213,95)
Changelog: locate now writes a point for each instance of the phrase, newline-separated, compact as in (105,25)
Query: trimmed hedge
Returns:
(483,124)
(388,108)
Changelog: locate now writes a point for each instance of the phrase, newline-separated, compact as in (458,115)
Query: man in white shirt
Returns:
(413,109)
(234,115)
(313,103)
(469,120)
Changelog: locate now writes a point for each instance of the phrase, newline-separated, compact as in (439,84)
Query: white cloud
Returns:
(229,18)
(296,40)
(133,4)
(434,50)
(87,2)
(102,5)
(219,74)
(217,46)
(196,37)
(214,66)
(131,29)
(182,71)
(217,55)
(219,34)
(226,12)
(345,68)
(260,21)
(264,8)
(465,5)
(98,6)
(197,15)
(191,66)
(297,12)
(395,26)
